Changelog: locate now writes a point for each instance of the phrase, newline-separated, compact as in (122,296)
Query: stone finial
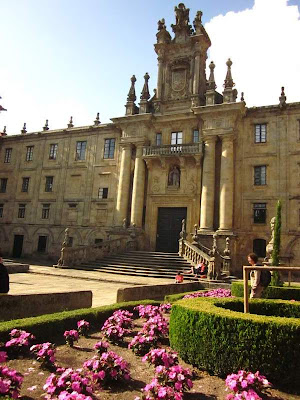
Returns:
(97,120)
(228,83)
(4,131)
(131,94)
(211,80)
(2,108)
(182,26)
(46,127)
(242,96)
(198,22)
(145,95)
(24,130)
(282,98)
(70,124)
(163,36)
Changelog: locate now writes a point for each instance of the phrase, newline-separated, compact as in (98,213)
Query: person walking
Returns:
(255,275)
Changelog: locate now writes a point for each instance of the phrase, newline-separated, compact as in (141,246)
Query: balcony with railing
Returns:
(172,149)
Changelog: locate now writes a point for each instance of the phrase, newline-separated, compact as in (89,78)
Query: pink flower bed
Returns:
(210,293)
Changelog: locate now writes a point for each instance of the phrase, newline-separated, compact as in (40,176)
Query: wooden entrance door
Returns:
(169,224)
(18,246)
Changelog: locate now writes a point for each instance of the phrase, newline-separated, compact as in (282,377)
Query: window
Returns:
(259,247)
(109,148)
(103,193)
(42,244)
(176,138)
(98,241)
(70,241)
(80,151)
(49,184)
(260,176)
(21,212)
(45,211)
(25,185)
(259,213)
(195,136)
(3,185)
(53,152)
(1,210)
(72,205)
(7,156)
(260,133)
(158,140)
(29,153)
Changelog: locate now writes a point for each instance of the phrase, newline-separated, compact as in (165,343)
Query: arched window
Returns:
(259,247)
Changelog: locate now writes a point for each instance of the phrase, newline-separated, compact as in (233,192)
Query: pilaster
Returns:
(124,184)
(138,188)
(208,185)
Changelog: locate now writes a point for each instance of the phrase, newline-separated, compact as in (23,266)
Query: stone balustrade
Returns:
(174,149)
(72,256)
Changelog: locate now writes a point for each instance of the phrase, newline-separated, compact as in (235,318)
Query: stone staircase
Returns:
(142,263)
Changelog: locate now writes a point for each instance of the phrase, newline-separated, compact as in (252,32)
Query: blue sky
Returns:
(68,57)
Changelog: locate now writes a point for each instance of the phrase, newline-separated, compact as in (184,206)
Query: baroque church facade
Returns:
(189,152)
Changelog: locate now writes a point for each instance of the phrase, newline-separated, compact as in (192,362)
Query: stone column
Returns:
(208,185)
(196,74)
(137,202)
(159,78)
(124,185)
(226,184)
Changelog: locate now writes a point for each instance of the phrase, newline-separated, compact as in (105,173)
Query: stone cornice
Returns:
(211,110)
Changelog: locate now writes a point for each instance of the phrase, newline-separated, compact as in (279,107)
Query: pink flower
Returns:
(3,356)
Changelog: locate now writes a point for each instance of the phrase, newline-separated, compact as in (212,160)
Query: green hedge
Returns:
(51,327)
(171,298)
(271,292)
(223,341)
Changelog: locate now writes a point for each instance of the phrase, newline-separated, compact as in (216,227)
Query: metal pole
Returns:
(246,301)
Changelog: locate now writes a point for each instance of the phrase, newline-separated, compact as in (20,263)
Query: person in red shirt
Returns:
(179,277)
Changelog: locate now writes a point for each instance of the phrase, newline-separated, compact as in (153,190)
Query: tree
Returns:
(276,280)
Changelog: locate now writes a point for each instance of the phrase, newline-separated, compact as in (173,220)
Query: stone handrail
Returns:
(193,148)
(195,256)
(71,256)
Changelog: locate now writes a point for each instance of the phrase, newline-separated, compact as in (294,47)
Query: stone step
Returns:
(130,263)
(136,268)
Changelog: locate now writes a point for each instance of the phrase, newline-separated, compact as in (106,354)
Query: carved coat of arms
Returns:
(178,79)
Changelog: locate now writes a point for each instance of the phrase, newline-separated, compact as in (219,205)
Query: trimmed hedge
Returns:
(51,327)
(211,336)
(271,292)
(171,298)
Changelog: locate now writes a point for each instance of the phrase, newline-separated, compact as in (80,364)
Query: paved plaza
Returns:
(45,279)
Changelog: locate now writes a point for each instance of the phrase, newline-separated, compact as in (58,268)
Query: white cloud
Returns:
(263,44)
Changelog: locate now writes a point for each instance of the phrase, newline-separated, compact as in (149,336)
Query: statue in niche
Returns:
(182,15)
(174,176)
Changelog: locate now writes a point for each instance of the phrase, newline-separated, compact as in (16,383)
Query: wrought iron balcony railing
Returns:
(172,149)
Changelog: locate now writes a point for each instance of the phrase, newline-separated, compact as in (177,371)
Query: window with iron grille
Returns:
(25,185)
(3,185)
(195,136)
(260,133)
(21,212)
(80,150)
(70,241)
(7,156)
(103,193)
(109,148)
(45,211)
(49,184)
(53,151)
(42,244)
(259,213)
(158,141)
(29,153)
(1,210)
(260,175)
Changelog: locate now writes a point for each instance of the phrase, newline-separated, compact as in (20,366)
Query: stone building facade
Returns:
(189,152)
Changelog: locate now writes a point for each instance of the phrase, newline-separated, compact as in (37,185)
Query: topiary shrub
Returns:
(211,335)
(271,292)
